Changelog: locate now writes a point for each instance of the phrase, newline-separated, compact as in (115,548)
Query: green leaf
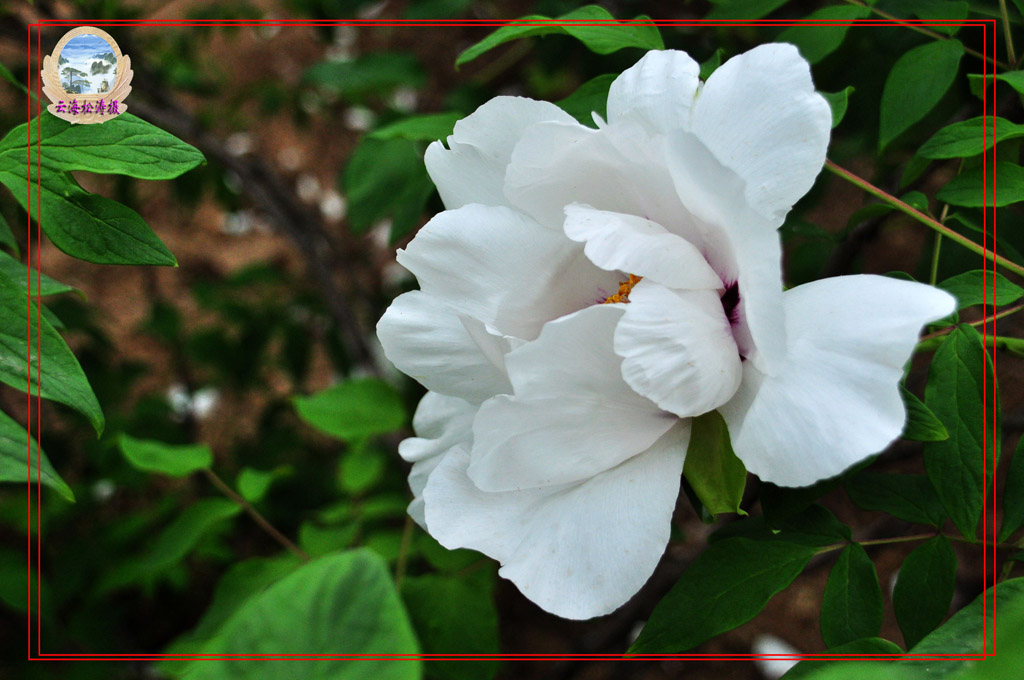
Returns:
(442,558)
(425,128)
(338,605)
(969,138)
(968,633)
(851,607)
(954,394)
(451,616)
(815,522)
(976,188)
(909,497)
(916,83)
(126,145)
(924,589)
(15,443)
(603,38)
(978,83)
(871,645)
(360,469)
(712,468)
(727,585)
(817,42)
(978,287)
(253,484)
(317,540)
(371,73)
(781,503)
(838,102)
(165,459)
(174,543)
(965,631)
(61,378)
(711,64)
(7,236)
(238,584)
(353,410)
(19,273)
(386,178)
(949,10)
(589,98)
(815,527)
(743,9)
(84,225)
(242,580)
(1013,494)
(922,425)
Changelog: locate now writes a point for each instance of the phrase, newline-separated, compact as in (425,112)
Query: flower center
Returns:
(730,300)
(624,288)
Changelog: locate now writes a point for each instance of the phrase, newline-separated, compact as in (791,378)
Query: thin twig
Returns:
(1006,31)
(928,32)
(924,219)
(256,516)
(907,539)
(979,322)
(937,249)
(403,551)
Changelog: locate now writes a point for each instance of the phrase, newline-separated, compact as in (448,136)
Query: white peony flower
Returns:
(588,291)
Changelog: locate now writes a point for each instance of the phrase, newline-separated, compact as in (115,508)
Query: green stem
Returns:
(928,32)
(979,322)
(907,539)
(403,551)
(924,219)
(933,276)
(255,514)
(1006,31)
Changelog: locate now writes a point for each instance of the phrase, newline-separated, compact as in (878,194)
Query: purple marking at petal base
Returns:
(731,302)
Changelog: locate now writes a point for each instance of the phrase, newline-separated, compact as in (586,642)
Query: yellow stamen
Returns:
(624,288)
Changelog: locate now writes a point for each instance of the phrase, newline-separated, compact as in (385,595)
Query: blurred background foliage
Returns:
(224,464)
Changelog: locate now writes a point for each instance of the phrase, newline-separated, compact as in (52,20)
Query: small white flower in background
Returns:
(103,490)
(769,648)
(307,186)
(358,118)
(333,206)
(199,404)
(588,291)
(239,144)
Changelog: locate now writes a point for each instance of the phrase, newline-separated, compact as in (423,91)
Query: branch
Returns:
(924,219)
(255,514)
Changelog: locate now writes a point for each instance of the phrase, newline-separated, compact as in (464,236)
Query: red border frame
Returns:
(34,78)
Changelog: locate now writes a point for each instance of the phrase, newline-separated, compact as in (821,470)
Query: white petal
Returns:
(617,168)
(500,267)
(472,169)
(634,245)
(440,423)
(579,550)
(761,117)
(425,339)
(418,477)
(658,91)
(836,399)
(677,349)
(572,415)
(743,243)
